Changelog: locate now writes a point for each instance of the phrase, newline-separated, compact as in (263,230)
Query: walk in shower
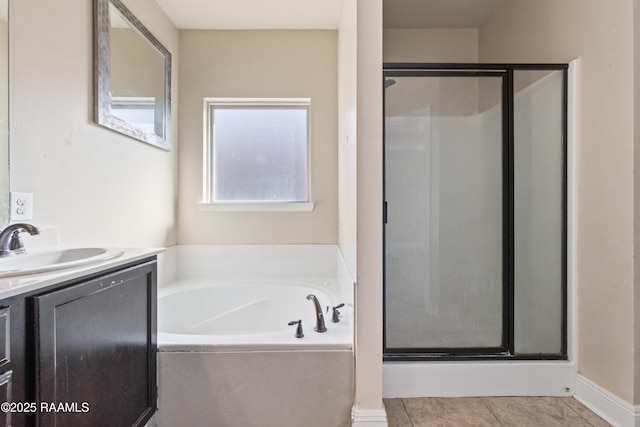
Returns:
(475,160)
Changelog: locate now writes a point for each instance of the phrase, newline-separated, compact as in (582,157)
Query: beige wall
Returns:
(98,187)
(4,115)
(368,342)
(636,185)
(430,45)
(276,64)
(347,121)
(600,34)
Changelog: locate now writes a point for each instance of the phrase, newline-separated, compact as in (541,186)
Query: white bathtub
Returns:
(223,333)
(250,314)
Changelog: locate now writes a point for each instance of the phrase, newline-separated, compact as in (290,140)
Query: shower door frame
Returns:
(506,351)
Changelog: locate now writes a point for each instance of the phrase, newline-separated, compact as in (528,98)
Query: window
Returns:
(256,154)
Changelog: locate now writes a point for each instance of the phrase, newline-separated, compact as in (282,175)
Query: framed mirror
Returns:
(132,73)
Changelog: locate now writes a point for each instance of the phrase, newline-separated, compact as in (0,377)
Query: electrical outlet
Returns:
(21,206)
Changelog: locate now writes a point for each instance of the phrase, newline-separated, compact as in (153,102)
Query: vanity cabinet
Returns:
(86,350)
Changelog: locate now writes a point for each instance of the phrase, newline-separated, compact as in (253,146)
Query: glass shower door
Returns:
(444,238)
(475,211)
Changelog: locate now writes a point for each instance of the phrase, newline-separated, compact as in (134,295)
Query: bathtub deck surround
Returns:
(224,333)
(253,261)
(255,389)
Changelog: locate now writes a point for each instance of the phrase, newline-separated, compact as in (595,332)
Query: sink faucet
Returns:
(319,316)
(10,240)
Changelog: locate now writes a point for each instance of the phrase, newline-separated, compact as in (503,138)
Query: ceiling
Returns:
(253,14)
(322,14)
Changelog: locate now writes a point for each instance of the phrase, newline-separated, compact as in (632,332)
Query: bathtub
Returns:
(250,314)
(227,356)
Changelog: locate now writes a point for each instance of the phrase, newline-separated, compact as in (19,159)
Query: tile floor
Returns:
(490,411)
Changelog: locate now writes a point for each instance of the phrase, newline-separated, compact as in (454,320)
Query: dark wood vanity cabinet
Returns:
(88,352)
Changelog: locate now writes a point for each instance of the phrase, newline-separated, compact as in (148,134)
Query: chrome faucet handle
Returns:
(10,240)
(299,333)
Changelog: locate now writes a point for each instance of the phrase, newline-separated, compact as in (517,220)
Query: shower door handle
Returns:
(384,212)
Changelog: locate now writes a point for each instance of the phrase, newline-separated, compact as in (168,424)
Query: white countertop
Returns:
(16,285)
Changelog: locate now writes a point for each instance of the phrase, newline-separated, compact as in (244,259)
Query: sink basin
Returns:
(54,259)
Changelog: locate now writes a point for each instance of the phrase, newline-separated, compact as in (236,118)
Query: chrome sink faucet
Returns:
(10,240)
(320,327)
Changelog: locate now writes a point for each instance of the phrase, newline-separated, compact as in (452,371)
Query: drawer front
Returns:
(5,396)
(5,336)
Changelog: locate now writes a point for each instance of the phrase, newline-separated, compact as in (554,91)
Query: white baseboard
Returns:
(368,417)
(611,408)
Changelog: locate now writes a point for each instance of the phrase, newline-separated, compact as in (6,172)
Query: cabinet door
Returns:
(5,360)
(96,351)
(13,378)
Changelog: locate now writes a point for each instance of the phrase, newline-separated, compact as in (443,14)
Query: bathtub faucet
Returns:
(319,316)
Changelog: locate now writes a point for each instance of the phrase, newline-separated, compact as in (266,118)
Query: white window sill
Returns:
(256,206)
